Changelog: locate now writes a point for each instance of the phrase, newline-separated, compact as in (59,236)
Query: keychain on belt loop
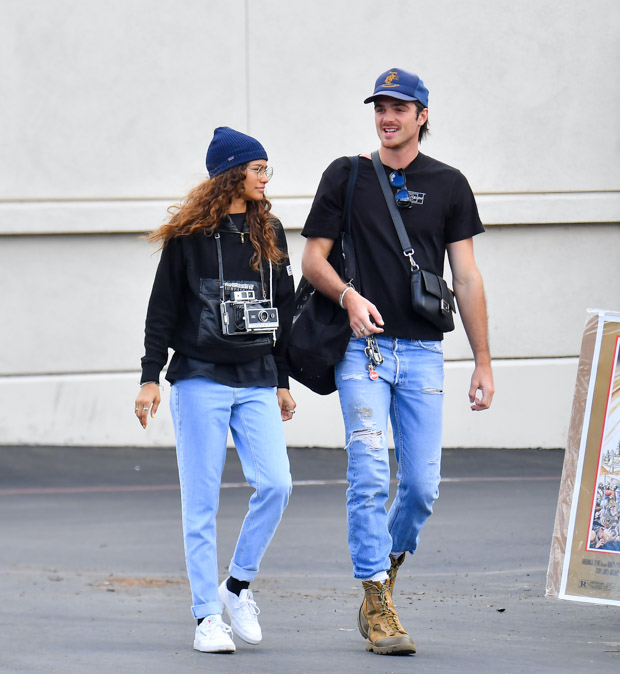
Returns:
(374,356)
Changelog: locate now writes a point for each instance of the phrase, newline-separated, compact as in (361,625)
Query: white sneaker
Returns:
(243,612)
(213,635)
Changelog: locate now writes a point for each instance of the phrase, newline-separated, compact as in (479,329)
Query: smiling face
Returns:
(254,184)
(398,122)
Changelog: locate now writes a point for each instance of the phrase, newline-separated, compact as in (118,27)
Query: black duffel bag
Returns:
(321,332)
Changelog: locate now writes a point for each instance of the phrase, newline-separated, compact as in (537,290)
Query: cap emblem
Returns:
(392,75)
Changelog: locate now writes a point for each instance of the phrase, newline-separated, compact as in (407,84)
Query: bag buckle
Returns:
(408,252)
(445,307)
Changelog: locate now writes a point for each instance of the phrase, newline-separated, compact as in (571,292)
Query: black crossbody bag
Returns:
(321,332)
(431,297)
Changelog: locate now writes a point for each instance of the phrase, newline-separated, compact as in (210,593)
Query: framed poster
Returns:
(584,564)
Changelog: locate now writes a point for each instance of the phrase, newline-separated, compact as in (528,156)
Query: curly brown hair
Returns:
(207,204)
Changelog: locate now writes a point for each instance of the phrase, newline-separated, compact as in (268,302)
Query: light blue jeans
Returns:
(202,412)
(410,390)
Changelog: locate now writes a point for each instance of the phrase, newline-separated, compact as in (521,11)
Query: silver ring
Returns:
(144,409)
(362,329)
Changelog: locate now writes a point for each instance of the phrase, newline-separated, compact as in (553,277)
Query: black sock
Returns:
(200,620)
(235,586)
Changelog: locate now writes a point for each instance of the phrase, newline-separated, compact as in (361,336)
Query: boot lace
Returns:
(387,613)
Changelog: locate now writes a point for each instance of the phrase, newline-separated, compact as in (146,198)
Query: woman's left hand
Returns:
(148,399)
(287,404)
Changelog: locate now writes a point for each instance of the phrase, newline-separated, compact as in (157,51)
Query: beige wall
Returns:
(107,112)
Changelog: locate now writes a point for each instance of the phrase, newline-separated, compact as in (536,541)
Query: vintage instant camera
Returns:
(245,314)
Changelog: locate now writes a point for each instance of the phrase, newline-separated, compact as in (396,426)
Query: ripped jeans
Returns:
(410,389)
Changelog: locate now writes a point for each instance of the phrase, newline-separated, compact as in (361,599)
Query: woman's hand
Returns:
(287,404)
(148,399)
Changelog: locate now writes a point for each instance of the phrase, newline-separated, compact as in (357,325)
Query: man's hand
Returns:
(469,292)
(481,381)
(364,317)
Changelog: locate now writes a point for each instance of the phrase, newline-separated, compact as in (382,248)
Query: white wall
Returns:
(107,112)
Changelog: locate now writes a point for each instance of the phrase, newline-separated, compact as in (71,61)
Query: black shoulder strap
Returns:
(346,213)
(405,244)
(346,241)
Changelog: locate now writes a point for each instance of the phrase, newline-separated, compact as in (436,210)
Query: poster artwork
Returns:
(604,522)
(584,564)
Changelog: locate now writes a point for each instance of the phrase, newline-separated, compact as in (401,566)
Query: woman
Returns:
(223,300)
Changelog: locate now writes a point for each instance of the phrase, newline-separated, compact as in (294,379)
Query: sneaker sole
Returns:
(390,650)
(223,649)
(243,637)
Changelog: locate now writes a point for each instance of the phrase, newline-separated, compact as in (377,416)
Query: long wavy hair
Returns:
(207,204)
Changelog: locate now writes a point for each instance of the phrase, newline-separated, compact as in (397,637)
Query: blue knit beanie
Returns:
(230,148)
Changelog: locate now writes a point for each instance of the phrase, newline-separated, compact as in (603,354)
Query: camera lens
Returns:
(263,315)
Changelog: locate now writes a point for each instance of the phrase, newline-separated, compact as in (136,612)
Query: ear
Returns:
(422,116)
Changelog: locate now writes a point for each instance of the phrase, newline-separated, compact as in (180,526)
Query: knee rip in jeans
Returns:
(432,391)
(373,439)
(355,375)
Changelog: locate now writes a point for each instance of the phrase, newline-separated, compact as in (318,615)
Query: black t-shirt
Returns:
(444,211)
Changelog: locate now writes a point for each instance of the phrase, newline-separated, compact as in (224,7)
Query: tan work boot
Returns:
(362,617)
(386,635)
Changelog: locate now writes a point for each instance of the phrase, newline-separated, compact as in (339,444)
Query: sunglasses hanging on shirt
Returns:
(398,182)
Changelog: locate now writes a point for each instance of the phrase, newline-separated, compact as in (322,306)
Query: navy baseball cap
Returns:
(398,83)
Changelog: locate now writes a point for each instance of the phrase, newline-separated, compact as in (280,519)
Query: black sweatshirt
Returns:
(184,311)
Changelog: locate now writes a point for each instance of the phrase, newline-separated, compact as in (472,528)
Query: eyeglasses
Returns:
(397,180)
(266,171)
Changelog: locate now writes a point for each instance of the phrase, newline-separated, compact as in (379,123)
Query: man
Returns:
(440,214)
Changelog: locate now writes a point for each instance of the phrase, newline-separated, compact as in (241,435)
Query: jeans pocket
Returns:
(435,346)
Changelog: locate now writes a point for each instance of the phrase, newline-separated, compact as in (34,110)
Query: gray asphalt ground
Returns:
(93,575)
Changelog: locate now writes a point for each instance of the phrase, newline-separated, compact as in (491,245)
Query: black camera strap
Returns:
(220,266)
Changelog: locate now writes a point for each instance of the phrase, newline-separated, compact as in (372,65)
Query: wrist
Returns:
(146,383)
(482,359)
(343,294)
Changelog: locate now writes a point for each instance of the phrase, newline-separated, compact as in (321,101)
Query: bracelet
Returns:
(345,290)
(151,382)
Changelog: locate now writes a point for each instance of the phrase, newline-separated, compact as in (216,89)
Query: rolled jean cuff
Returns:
(241,574)
(209,608)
